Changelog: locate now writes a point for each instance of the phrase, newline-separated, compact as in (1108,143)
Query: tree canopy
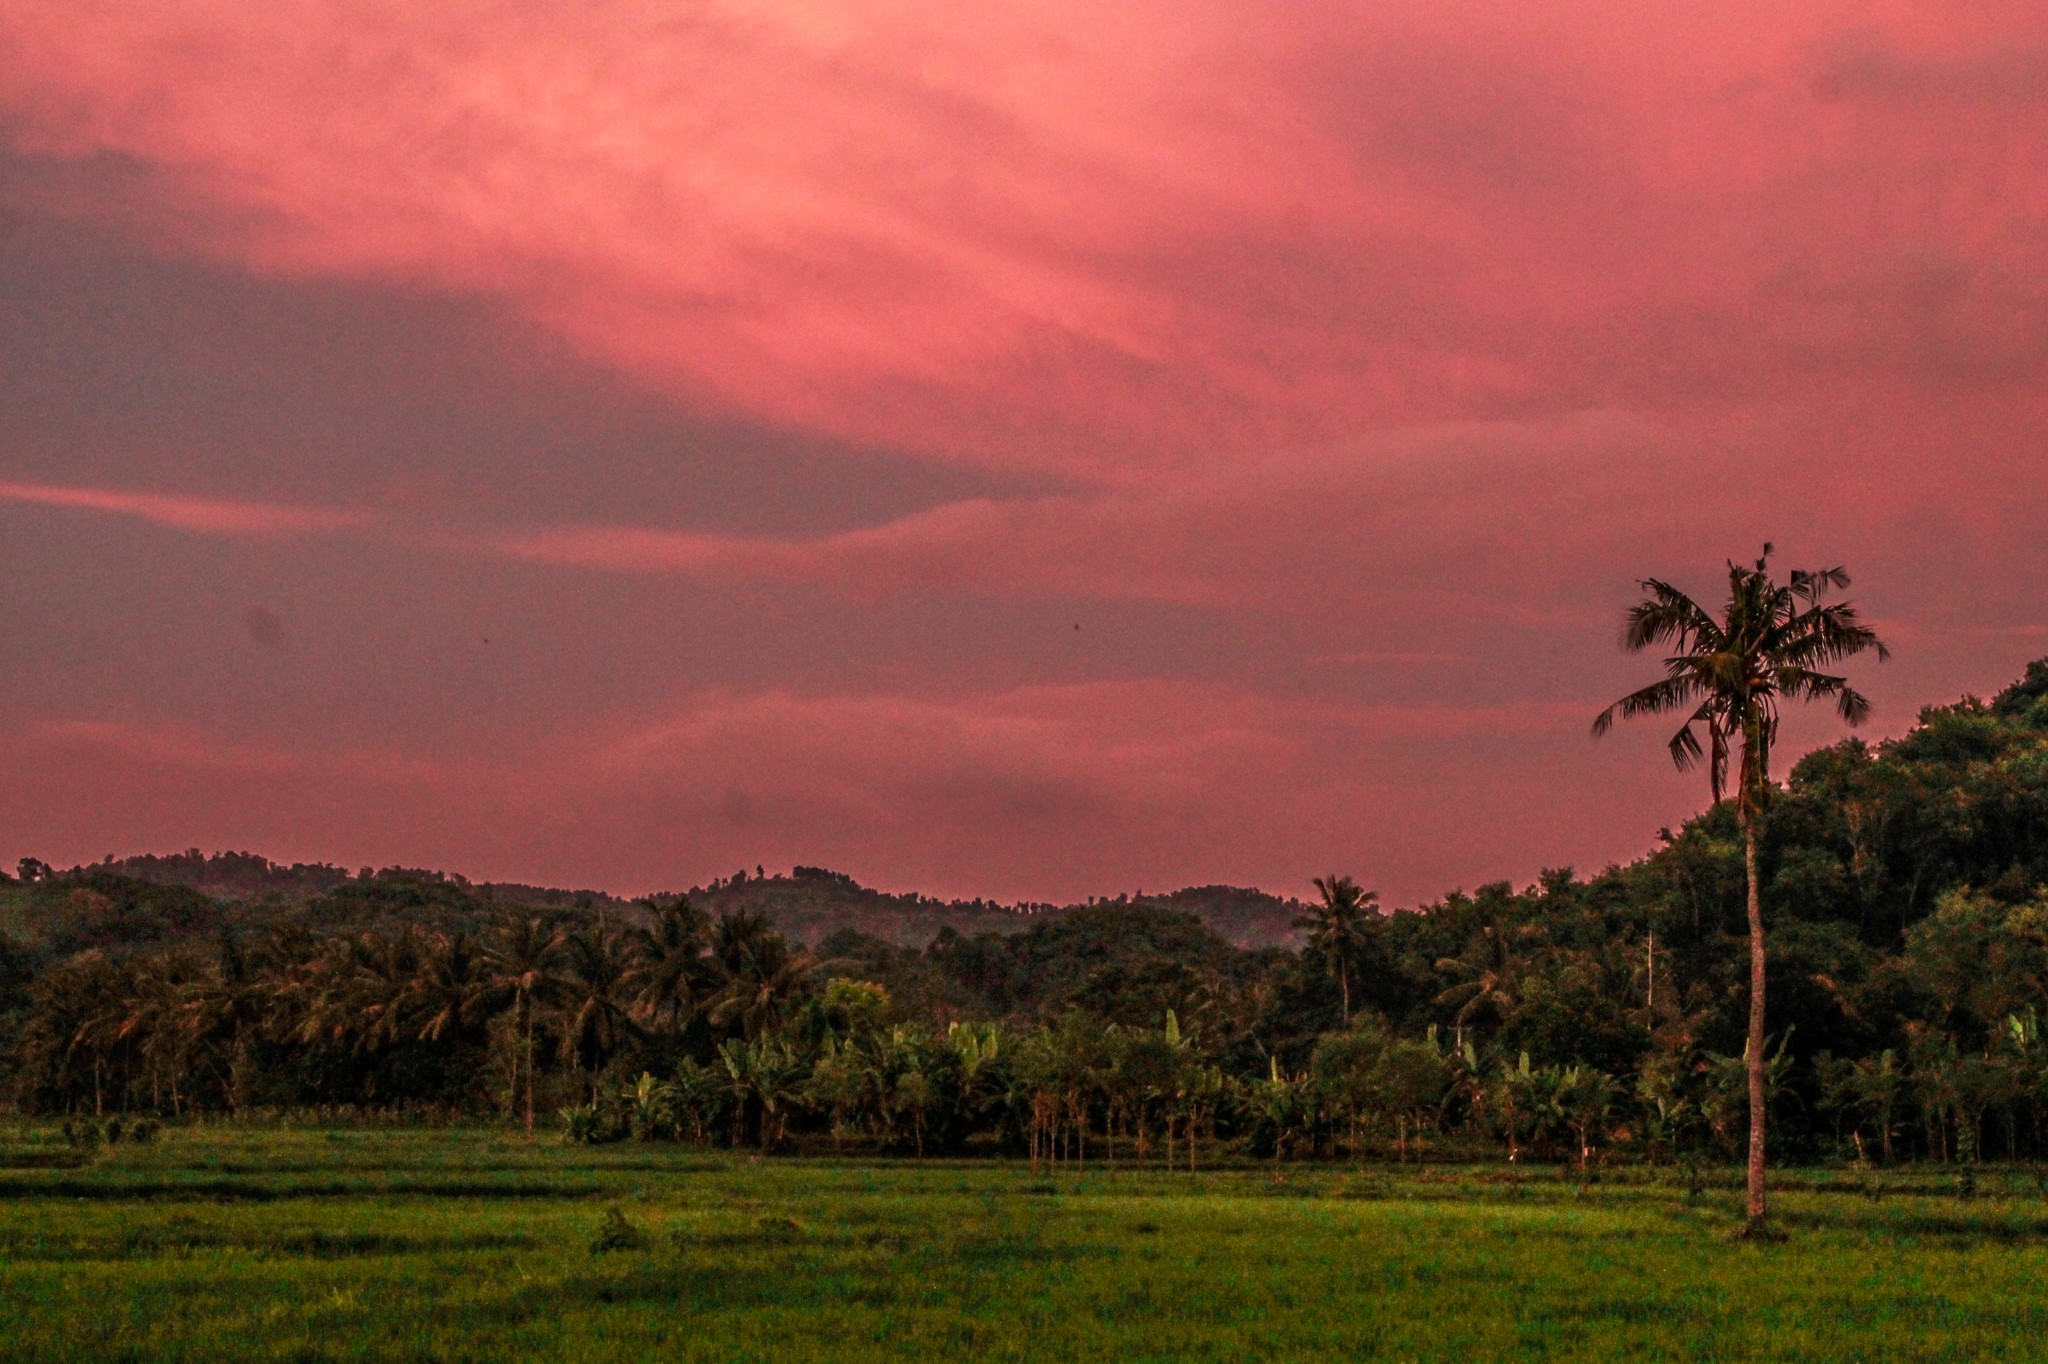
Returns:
(1905,885)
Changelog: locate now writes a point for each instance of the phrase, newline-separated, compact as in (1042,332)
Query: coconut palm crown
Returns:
(1336,928)
(1735,672)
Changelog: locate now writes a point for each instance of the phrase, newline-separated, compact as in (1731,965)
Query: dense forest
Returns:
(1577,1019)
(806,903)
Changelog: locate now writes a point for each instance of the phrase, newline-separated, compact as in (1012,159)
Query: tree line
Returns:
(1578,1019)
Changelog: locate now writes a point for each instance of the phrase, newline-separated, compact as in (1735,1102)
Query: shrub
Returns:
(584,1125)
(615,1232)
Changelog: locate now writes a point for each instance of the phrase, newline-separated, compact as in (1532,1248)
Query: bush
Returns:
(584,1125)
(615,1232)
(89,1132)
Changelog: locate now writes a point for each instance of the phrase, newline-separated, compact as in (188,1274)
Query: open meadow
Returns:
(225,1243)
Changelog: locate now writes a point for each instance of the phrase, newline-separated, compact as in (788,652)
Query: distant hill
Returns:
(1242,916)
(809,904)
(232,875)
(248,876)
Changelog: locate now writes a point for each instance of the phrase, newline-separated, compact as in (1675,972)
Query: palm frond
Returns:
(1813,585)
(1655,699)
(1667,616)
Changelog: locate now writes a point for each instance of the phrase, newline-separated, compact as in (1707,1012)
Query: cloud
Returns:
(1339,367)
(264,626)
(199,515)
(1869,64)
(1465,523)
(1041,791)
(1344,527)
(1058,238)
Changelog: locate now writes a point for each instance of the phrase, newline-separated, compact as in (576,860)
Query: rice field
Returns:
(221,1243)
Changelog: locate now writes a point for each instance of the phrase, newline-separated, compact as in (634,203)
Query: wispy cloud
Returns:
(1145,782)
(200,515)
(1366,353)
(1458,519)
(1381,519)
(1054,236)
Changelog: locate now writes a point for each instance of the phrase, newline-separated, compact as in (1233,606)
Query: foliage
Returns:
(1906,886)
(615,1232)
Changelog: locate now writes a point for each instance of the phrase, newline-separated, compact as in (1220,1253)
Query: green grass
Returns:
(224,1244)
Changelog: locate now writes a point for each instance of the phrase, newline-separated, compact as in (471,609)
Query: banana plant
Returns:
(651,1107)
(1583,1098)
(766,1075)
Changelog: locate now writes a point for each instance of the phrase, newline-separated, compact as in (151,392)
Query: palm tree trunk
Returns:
(238,1073)
(1755,1051)
(527,1012)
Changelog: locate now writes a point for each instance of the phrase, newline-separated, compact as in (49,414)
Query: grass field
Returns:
(225,1244)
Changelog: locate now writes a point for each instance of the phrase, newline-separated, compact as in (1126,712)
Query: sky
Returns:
(1033,450)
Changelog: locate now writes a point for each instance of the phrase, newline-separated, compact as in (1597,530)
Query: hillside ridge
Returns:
(809,904)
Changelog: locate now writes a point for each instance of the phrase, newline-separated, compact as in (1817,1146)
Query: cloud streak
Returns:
(197,515)
(1459,518)
(957,793)
(1227,540)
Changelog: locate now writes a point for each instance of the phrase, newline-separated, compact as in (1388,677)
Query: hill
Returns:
(808,904)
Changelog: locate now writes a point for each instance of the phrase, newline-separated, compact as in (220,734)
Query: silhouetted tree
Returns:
(1337,928)
(1730,675)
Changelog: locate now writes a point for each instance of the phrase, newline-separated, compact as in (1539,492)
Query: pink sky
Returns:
(1032,450)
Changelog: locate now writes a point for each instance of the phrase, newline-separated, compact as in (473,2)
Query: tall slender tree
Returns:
(1336,929)
(669,967)
(595,1014)
(1487,976)
(1730,675)
(453,994)
(758,978)
(523,958)
(226,1007)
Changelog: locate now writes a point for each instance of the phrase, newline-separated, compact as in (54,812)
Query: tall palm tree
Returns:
(1489,976)
(155,1022)
(669,967)
(292,958)
(1336,928)
(1730,675)
(77,1024)
(321,1001)
(522,959)
(226,1006)
(380,985)
(595,1012)
(759,978)
(452,993)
